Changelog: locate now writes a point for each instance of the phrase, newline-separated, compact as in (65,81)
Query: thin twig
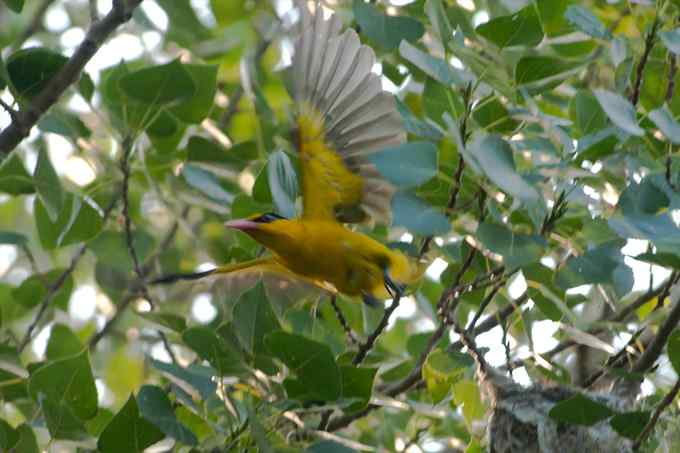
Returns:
(667,400)
(54,288)
(649,44)
(343,321)
(26,118)
(133,287)
(655,348)
(365,348)
(10,111)
(672,70)
(51,292)
(167,346)
(482,307)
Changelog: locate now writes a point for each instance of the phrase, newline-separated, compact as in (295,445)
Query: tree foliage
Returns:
(540,182)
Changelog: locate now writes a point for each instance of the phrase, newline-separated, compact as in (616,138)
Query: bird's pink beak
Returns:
(241,224)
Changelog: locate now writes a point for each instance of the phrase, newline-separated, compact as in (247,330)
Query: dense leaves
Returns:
(536,194)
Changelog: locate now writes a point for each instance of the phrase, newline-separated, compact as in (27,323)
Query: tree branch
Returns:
(343,321)
(649,44)
(667,400)
(58,283)
(365,348)
(26,118)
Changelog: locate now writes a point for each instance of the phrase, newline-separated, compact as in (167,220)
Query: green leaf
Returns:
(31,69)
(155,406)
(197,376)
(440,22)
(62,343)
(492,115)
(542,73)
(522,28)
(545,304)
(110,247)
(660,259)
(671,39)
(415,125)
(32,290)
(517,249)
(184,25)
(663,118)
(78,221)
(551,13)
(407,165)
(282,183)
(386,31)
(586,113)
(48,186)
(598,265)
(259,433)
(128,431)
(642,213)
(27,441)
(64,123)
(585,21)
(61,422)
(8,436)
(15,5)
(213,348)
(256,319)
(170,320)
(630,424)
(674,350)
(494,157)
(438,69)
(441,370)
(14,178)
(620,111)
(357,386)
(67,382)
(197,107)
(206,182)
(579,410)
(163,84)
(312,362)
(86,87)
(10,237)
(201,149)
(417,216)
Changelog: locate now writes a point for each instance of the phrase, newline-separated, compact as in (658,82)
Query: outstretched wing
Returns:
(343,115)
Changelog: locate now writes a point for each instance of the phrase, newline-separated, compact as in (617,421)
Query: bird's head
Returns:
(264,228)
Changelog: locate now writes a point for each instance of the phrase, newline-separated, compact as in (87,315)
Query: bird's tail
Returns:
(259,264)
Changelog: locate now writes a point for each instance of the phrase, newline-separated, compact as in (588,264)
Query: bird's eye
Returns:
(268,217)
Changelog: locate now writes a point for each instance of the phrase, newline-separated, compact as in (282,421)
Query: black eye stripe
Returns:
(268,217)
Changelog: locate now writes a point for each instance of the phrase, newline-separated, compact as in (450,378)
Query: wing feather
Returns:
(343,116)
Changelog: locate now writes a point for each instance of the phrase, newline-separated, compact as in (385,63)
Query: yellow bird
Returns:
(342,115)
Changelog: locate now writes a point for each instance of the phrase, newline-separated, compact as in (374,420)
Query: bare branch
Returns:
(649,44)
(343,321)
(26,118)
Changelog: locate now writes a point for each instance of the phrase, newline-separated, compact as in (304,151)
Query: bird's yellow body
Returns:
(321,251)
(342,115)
